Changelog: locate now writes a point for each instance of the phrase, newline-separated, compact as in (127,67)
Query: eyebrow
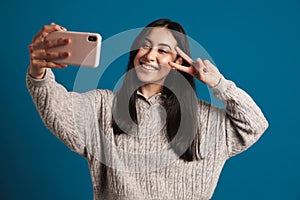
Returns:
(160,44)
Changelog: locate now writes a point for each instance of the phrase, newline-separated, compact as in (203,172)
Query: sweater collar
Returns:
(157,98)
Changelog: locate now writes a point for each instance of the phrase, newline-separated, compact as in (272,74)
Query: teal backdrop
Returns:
(254,43)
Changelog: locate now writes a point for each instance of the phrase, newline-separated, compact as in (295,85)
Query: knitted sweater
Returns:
(131,167)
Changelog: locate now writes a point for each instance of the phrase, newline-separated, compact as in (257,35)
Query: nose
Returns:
(151,55)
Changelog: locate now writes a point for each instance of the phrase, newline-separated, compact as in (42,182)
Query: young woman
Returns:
(152,139)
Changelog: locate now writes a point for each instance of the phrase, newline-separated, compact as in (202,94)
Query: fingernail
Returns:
(66,54)
(63,28)
(66,40)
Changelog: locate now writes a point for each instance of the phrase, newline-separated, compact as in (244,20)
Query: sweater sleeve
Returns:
(244,121)
(69,115)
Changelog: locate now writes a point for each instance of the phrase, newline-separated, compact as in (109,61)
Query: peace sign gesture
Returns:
(204,70)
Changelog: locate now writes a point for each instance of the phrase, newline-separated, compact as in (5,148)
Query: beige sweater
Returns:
(128,167)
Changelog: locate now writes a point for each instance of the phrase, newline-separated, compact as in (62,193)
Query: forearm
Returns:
(55,106)
(245,122)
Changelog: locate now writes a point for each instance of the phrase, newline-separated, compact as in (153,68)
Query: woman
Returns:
(153,139)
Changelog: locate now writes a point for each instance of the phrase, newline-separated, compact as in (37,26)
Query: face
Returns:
(156,51)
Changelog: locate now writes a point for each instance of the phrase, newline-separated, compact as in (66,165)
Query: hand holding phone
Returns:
(73,48)
(84,48)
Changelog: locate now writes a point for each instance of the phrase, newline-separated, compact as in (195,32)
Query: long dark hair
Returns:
(181,121)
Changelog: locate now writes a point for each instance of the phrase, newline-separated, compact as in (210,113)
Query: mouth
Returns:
(149,67)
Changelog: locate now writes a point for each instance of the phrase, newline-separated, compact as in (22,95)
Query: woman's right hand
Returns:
(40,58)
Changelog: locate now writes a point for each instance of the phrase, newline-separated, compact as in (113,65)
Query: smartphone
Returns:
(84,48)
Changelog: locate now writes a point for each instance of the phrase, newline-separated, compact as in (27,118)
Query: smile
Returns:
(149,67)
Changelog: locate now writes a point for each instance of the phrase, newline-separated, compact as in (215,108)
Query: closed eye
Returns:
(163,51)
(146,46)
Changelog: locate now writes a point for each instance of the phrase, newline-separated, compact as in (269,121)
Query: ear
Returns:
(179,61)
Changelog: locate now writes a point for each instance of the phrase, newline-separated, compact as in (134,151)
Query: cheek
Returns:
(165,69)
(165,61)
(137,58)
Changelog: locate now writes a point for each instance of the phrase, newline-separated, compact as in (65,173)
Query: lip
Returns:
(147,67)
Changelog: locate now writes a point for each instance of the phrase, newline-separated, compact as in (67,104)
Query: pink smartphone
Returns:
(84,48)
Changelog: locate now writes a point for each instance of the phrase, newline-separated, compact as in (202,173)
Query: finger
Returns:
(184,56)
(49,44)
(207,63)
(44,63)
(46,30)
(43,32)
(57,42)
(48,55)
(201,67)
(63,28)
(211,67)
(185,69)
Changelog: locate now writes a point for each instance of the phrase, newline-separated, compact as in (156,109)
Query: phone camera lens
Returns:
(92,38)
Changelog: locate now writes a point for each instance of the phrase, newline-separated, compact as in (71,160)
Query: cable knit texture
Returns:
(142,166)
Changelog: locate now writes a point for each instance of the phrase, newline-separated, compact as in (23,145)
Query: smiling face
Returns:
(156,51)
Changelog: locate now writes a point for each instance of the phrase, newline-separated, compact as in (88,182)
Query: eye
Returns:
(163,51)
(145,45)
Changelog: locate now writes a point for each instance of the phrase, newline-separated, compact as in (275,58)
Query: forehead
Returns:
(162,35)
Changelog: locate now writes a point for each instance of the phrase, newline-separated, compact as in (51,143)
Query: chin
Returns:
(145,79)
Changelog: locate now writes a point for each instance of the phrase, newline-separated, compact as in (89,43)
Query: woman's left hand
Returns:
(204,70)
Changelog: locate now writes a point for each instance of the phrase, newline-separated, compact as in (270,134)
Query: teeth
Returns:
(149,67)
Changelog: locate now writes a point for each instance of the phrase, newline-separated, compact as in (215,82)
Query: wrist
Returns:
(36,73)
(217,82)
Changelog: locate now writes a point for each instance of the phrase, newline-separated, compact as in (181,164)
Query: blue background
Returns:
(254,43)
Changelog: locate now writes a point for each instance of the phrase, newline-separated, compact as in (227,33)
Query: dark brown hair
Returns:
(181,114)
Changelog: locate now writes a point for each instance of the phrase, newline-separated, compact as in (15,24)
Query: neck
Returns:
(150,89)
